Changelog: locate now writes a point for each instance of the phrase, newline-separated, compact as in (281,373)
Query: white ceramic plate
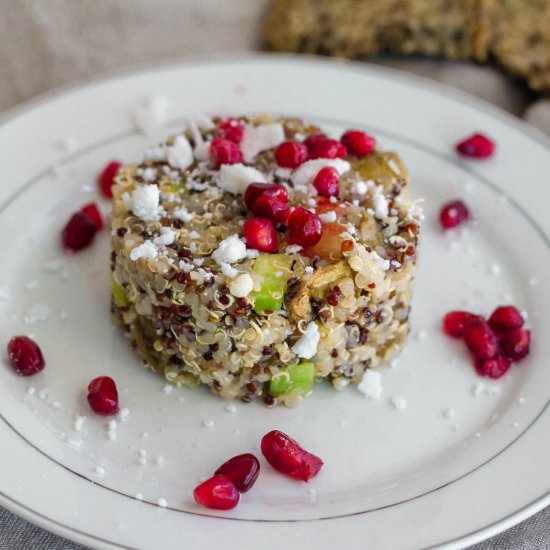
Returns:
(410,478)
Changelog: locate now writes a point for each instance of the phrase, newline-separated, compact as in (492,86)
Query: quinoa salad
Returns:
(258,256)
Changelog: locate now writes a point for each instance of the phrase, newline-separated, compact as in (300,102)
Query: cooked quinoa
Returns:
(202,307)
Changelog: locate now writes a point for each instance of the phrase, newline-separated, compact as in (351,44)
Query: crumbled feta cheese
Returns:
(194,235)
(167,236)
(228,270)
(370,384)
(241,286)
(231,408)
(36,313)
(399,403)
(306,346)
(124,413)
(144,202)
(200,275)
(78,422)
(309,269)
(159,460)
(139,496)
(162,502)
(99,471)
(145,250)
(230,250)
(149,174)
(251,253)
(379,202)
(167,389)
(360,188)
(328,216)
(305,173)
(293,248)
(179,154)
(235,178)
(208,423)
(260,138)
(183,215)
(185,266)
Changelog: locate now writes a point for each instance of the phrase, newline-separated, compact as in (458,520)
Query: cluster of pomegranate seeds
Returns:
(453,213)
(79,232)
(288,457)
(495,343)
(255,190)
(320,146)
(103,396)
(106,179)
(222,490)
(291,154)
(304,227)
(25,356)
(260,234)
(476,146)
(242,470)
(326,182)
(358,143)
(225,151)
(231,129)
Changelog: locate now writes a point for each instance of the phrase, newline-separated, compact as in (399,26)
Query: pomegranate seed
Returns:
(494,367)
(106,179)
(242,470)
(218,493)
(477,146)
(260,234)
(358,143)
(25,356)
(255,190)
(454,321)
(320,146)
(305,228)
(103,395)
(286,456)
(505,318)
(91,210)
(272,209)
(480,339)
(291,154)
(231,129)
(79,232)
(224,151)
(453,213)
(326,182)
(516,343)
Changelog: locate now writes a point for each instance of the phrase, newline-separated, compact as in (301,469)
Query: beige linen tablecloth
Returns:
(47,43)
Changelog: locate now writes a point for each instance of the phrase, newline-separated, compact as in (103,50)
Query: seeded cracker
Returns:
(201,307)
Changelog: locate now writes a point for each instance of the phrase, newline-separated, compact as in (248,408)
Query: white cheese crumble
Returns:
(167,389)
(235,178)
(328,216)
(179,154)
(260,138)
(167,236)
(231,408)
(370,384)
(144,202)
(360,188)
(228,270)
(241,286)
(306,346)
(162,502)
(185,266)
(208,423)
(145,250)
(149,174)
(183,215)
(398,403)
(78,422)
(230,250)
(293,248)
(99,471)
(200,275)
(309,269)
(379,202)
(194,235)
(306,172)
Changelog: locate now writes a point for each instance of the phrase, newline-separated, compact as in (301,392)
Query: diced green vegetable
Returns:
(300,376)
(119,294)
(273,287)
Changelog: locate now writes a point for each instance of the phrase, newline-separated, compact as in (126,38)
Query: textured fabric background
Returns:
(47,43)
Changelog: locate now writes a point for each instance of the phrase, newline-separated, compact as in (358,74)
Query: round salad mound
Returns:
(259,256)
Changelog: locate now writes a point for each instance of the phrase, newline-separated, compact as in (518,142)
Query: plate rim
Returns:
(182,62)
